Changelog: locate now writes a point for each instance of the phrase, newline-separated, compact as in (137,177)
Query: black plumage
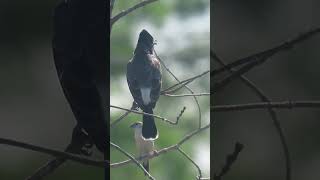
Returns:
(144,81)
(79,49)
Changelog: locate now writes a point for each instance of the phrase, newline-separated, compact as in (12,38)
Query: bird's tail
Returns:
(149,129)
(145,164)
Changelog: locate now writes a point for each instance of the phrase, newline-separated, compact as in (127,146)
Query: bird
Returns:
(144,147)
(82,67)
(144,81)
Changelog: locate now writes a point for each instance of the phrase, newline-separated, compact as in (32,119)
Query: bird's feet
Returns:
(86,149)
(81,143)
(155,152)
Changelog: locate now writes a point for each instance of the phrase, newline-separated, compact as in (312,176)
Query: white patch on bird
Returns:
(145,94)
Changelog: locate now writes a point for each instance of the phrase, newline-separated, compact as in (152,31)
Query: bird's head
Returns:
(136,125)
(145,41)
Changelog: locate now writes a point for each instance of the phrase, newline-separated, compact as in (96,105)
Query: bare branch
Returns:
(185,95)
(272,113)
(62,154)
(183,85)
(132,159)
(46,169)
(131,9)
(156,116)
(187,137)
(133,107)
(231,158)
(257,59)
(164,150)
(263,105)
(189,158)
(269,52)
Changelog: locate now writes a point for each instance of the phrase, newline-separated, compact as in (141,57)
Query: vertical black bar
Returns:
(211,96)
(107,49)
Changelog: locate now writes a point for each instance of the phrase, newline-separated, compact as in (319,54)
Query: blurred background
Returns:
(33,108)
(182,31)
(241,28)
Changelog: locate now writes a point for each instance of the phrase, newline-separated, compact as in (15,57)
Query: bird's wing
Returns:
(133,84)
(156,78)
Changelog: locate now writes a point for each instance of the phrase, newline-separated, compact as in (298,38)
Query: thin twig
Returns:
(185,95)
(133,107)
(52,152)
(231,158)
(272,113)
(258,59)
(132,159)
(189,158)
(183,85)
(263,105)
(46,169)
(164,150)
(236,74)
(129,10)
(143,113)
(269,52)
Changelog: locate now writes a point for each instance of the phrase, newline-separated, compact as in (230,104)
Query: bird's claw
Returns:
(81,141)
(155,152)
(88,145)
(86,152)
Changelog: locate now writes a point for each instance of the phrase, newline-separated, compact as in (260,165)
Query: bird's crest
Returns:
(145,42)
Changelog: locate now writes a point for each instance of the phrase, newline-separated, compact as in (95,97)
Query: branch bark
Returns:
(264,105)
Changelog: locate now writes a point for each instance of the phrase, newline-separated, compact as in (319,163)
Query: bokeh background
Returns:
(33,108)
(182,31)
(241,28)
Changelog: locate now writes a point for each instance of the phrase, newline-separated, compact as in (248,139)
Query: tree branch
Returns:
(183,85)
(52,152)
(46,169)
(185,95)
(156,116)
(272,113)
(257,59)
(132,159)
(164,150)
(263,105)
(287,45)
(133,107)
(194,163)
(131,9)
(231,158)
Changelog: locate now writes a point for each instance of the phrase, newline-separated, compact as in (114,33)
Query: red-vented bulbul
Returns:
(79,49)
(144,81)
